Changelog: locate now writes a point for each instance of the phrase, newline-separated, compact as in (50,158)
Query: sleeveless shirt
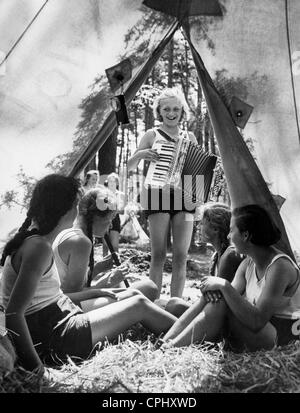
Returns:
(291,306)
(47,290)
(61,265)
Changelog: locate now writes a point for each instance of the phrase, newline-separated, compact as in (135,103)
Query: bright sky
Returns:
(47,76)
(72,41)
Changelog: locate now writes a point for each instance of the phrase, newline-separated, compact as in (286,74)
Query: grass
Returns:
(136,367)
(133,365)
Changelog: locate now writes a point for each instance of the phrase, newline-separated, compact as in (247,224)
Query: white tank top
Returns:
(61,265)
(290,307)
(47,290)
(159,137)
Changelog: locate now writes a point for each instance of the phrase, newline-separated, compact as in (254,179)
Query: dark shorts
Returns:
(287,329)
(168,202)
(59,330)
(116,224)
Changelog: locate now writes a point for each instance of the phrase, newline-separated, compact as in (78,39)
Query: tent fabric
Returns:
(251,42)
(46,77)
(129,92)
(245,182)
(50,71)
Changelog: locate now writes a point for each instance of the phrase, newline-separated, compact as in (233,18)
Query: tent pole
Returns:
(129,92)
(245,182)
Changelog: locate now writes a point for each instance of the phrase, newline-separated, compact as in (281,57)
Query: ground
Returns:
(133,365)
(139,264)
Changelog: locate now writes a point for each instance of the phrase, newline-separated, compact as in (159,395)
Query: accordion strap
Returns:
(165,135)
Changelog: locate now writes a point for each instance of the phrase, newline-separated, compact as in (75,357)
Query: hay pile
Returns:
(136,367)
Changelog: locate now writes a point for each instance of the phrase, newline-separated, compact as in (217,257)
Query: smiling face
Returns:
(170,110)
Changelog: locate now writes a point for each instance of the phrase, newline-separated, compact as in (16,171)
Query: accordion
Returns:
(182,165)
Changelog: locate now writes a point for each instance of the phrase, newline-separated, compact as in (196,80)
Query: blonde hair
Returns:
(167,94)
(115,177)
(97,201)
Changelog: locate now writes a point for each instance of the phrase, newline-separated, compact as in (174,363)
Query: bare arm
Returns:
(75,251)
(112,278)
(90,293)
(36,259)
(229,263)
(144,151)
(186,318)
(105,264)
(255,317)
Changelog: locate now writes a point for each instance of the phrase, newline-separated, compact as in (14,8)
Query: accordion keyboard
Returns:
(159,172)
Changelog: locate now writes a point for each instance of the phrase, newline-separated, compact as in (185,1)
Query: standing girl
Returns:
(113,183)
(91,180)
(169,108)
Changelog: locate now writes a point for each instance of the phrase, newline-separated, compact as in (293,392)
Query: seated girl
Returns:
(261,307)
(74,253)
(215,226)
(44,322)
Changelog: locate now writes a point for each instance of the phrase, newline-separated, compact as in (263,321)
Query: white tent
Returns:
(47,72)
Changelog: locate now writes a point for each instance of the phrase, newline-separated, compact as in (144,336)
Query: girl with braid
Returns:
(215,227)
(74,255)
(43,322)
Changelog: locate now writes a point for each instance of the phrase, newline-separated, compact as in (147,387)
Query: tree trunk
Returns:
(121,150)
(170,63)
(212,139)
(199,124)
(206,133)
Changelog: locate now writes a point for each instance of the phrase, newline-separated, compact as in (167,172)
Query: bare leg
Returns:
(158,226)
(187,317)
(146,287)
(182,229)
(247,339)
(143,287)
(114,319)
(176,306)
(205,326)
(100,302)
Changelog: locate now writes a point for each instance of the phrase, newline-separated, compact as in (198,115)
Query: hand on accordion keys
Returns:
(149,155)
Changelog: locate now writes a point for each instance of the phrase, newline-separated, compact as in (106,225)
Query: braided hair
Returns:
(98,201)
(52,197)
(219,216)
